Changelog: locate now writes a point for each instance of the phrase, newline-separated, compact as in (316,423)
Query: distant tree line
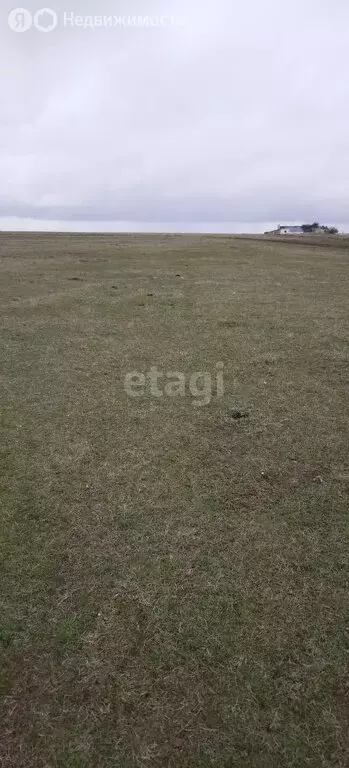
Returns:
(307,228)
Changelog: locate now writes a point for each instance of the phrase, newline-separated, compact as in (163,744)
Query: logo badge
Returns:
(45,20)
(20,20)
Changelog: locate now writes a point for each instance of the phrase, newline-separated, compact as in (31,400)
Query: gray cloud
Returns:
(238,112)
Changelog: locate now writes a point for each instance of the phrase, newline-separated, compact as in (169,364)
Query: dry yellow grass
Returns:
(174,580)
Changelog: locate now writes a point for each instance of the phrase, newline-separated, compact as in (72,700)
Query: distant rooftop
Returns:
(292,228)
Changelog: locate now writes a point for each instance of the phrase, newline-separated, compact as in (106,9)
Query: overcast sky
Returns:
(234,115)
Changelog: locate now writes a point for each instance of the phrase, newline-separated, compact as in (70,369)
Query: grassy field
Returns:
(174,578)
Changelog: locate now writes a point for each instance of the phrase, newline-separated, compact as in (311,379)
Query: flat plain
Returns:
(174,576)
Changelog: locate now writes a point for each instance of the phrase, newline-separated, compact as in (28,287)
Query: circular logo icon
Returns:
(20,20)
(45,20)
